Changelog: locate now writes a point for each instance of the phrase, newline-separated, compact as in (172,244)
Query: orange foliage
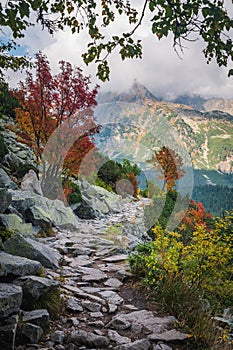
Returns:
(169,163)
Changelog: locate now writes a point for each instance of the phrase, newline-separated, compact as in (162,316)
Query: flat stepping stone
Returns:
(171,335)
(117,338)
(111,297)
(113,282)
(74,305)
(116,258)
(145,319)
(81,261)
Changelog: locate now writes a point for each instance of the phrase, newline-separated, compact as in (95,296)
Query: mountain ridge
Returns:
(207,135)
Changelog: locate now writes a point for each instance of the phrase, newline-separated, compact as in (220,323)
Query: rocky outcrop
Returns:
(5,199)
(17,266)
(18,154)
(31,249)
(31,183)
(41,211)
(10,302)
(97,202)
(34,287)
(15,224)
(6,182)
(10,299)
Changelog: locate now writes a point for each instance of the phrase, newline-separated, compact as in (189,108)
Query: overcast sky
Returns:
(160,69)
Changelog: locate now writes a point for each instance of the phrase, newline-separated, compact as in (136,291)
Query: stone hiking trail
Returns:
(102,309)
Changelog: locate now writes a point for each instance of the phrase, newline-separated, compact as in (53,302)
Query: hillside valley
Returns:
(137,123)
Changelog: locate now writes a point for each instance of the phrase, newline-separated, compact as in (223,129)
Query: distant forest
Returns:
(216,199)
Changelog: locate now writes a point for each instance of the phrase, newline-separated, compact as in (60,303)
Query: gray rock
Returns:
(96,202)
(92,275)
(58,337)
(70,347)
(18,153)
(6,182)
(17,266)
(142,344)
(31,249)
(59,347)
(116,258)
(82,260)
(15,224)
(94,307)
(1,245)
(118,323)
(171,335)
(161,346)
(146,319)
(117,338)
(8,332)
(88,339)
(111,297)
(39,317)
(74,305)
(10,299)
(34,287)
(96,314)
(97,323)
(41,211)
(31,183)
(113,282)
(32,332)
(5,200)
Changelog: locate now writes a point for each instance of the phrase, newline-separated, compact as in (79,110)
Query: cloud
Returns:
(160,69)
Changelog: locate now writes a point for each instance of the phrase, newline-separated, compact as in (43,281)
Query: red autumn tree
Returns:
(48,102)
(194,217)
(169,163)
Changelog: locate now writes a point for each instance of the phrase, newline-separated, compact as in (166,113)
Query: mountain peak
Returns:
(137,93)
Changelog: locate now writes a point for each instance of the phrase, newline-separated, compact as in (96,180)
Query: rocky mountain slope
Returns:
(207,135)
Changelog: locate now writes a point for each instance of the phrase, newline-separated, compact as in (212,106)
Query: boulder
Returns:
(31,249)
(8,328)
(18,154)
(10,299)
(6,182)
(41,211)
(15,224)
(96,202)
(39,317)
(5,199)
(31,183)
(10,302)
(34,287)
(32,332)
(17,266)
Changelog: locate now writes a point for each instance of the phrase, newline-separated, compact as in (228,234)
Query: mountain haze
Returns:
(206,134)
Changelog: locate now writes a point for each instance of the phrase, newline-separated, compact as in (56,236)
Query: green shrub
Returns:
(8,103)
(75,195)
(5,233)
(51,301)
(185,278)
(19,170)
(110,172)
